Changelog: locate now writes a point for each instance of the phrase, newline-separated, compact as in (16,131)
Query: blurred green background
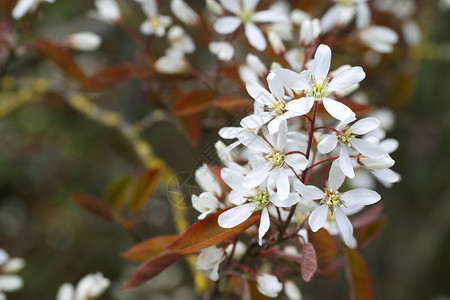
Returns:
(49,151)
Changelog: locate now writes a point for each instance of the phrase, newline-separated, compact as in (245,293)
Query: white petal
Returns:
(231,5)
(300,106)
(253,141)
(65,292)
(297,161)
(367,148)
(10,283)
(256,120)
(226,25)
(318,217)
(291,79)
(229,132)
(256,176)
(232,178)
(344,224)
(274,125)
(360,197)
(250,4)
(282,134)
(387,175)
(330,18)
(269,16)
(364,126)
(362,15)
(264,224)
(238,197)
(21,8)
(149,7)
(275,85)
(337,110)
(309,192)
(282,183)
(345,163)
(321,65)
(327,144)
(259,93)
(336,177)
(4,257)
(236,215)
(255,36)
(292,199)
(389,145)
(346,79)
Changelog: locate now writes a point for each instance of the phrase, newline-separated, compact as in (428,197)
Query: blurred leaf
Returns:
(232,104)
(308,262)
(94,205)
(7,6)
(358,276)
(117,192)
(365,235)
(402,89)
(147,249)
(192,103)
(368,216)
(153,267)
(193,126)
(108,77)
(207,232)
(325,248)
(63,59)
(145,186)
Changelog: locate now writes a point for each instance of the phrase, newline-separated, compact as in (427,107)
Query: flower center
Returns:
(275,157)
(277,108)
(346,2)
(332,199)
(246,16)
(260,197)
(155,22)
(318,90)
(345,136)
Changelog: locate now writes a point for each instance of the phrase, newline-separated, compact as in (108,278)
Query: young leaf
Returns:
(145,186)
(368,216)
(365,235)
(149,248)
(192,103)
(193,126)
(309,262)
(94,205)
(207,232)
(153,267)
(116,194)
(108,77)
(358,276)
(325,248)
(232,104)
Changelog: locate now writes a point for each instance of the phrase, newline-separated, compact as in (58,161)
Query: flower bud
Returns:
(91,286)
(83,41)
(209,260)
(276,43)
(179,40)
(223,50)
(206,203)
(379,38)
(268,285)
(292,291)
(309,31)
(239,250)
(108,11)
(256,64)
(172,63)
(207,182)
(214,7)
(184,12)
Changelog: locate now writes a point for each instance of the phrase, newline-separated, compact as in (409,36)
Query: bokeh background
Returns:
(49,151)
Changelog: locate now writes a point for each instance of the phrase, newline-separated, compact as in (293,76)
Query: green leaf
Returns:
(144,187)
(118,191)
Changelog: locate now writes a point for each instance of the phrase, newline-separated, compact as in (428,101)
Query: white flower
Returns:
(246,15)
(173,62)
(249,200)
(292,291)
(179,40)
(206,203)
(223,50)
(378,38)
(343,13)
(23,6)
(9,282)
(89,287)
(309,31)
(209,260)
(253,69)
(332,201)
(346,138)
(184,12)
(276,43)
(107,11)
(274,161)
(155,23)
(207,181)
(83,41)
(268,285)
(317,86)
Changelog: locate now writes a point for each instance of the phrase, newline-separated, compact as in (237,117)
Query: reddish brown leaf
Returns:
(153,267)
(207,232)
(325,248)
(108,77)
(193,126)
(358,276)
(368,216)
(149,248)
(365,235)
(145,186)
(58,55)
(232,104)
(309,262)
(192,103)
(117,192)
(94,205)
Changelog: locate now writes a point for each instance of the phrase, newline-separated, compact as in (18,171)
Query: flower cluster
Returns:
(9,281)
